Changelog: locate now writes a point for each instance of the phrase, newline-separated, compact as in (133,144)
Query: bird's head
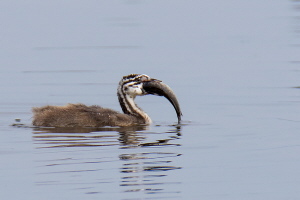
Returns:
(140,84)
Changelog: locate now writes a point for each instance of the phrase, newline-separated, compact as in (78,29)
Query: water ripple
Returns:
(133,158)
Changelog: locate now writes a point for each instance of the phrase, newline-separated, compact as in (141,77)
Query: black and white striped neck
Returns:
(130,87)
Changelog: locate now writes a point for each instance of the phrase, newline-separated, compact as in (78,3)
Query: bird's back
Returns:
(79,115)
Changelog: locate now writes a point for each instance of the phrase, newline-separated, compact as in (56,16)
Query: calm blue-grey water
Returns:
(234,66)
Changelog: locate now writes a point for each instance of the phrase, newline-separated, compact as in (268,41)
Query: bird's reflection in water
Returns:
(145,169)
(78,137)
(145,164)
(128,137)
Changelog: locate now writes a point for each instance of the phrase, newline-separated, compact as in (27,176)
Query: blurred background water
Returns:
(234,66)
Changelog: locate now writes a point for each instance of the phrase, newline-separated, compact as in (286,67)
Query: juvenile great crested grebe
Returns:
(79,115)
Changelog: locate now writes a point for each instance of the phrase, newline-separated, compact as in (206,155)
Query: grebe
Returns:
(130,86)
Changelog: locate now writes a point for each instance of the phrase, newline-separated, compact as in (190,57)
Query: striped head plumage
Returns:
(134,85)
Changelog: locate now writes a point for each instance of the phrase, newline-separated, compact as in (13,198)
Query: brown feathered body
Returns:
(79,115)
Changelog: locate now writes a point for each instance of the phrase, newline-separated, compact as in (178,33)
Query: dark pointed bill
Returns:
(156,87)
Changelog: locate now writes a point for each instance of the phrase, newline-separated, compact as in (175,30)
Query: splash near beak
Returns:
(156,87)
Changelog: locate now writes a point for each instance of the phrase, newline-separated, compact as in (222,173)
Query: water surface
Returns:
(233,66)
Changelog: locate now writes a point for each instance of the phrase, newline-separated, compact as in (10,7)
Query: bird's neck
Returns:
(129,107)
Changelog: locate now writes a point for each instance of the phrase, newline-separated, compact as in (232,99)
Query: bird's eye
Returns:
(144,78)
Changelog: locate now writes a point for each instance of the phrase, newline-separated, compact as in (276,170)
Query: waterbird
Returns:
(80,115)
